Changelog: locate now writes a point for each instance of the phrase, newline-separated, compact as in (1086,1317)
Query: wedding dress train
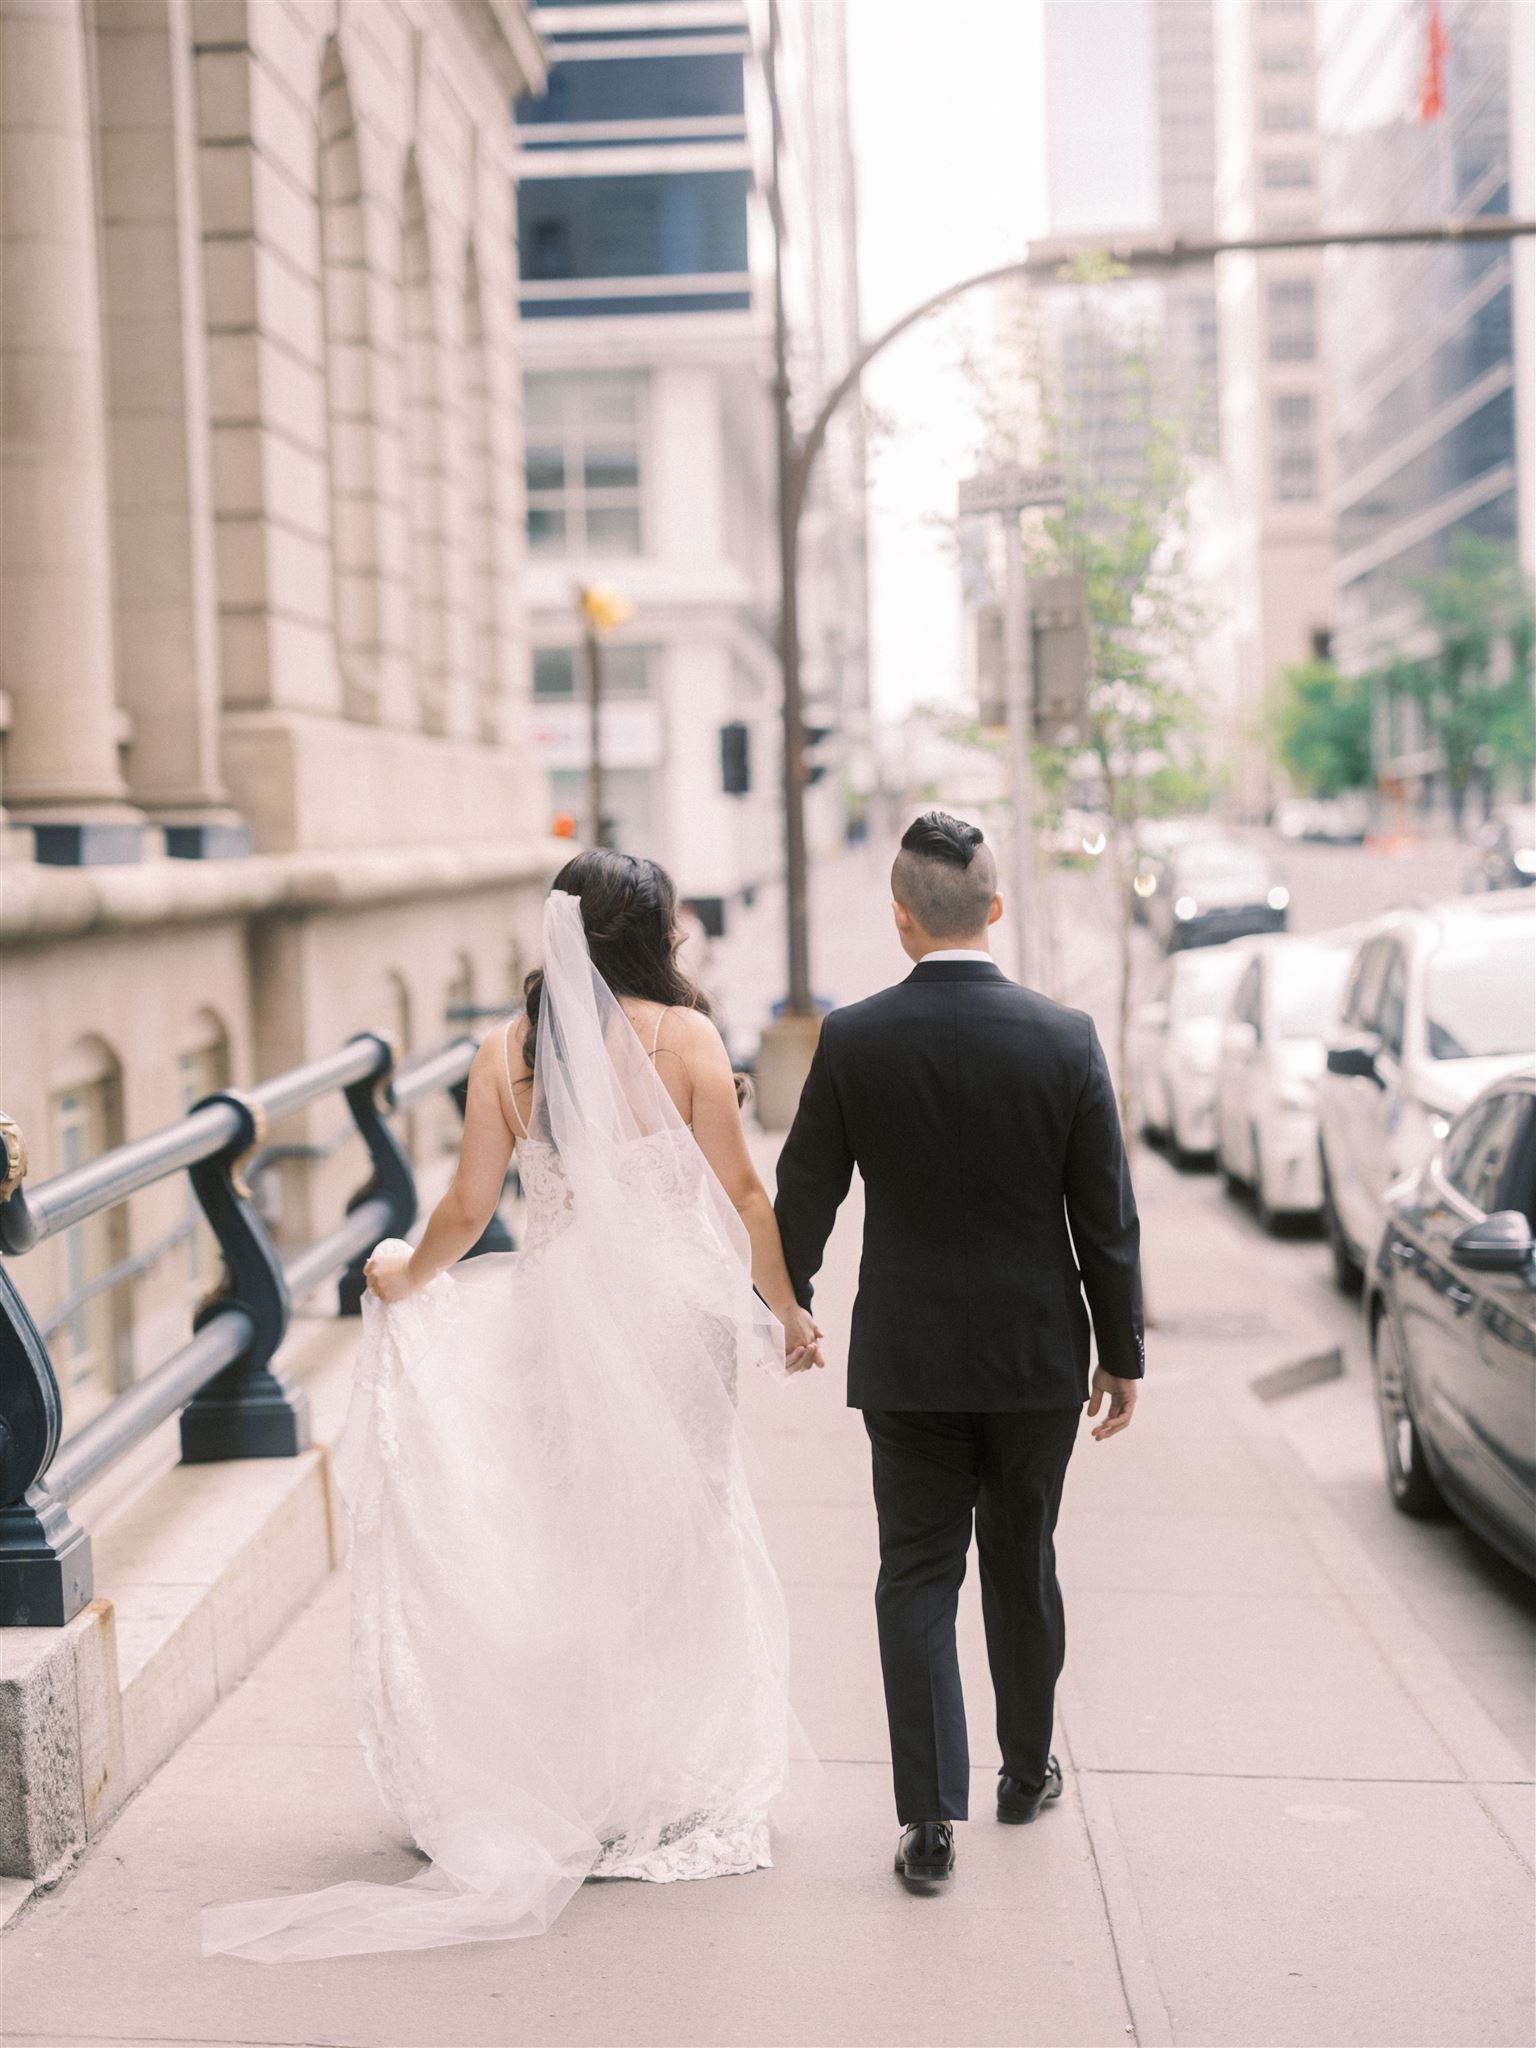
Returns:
(568,1639)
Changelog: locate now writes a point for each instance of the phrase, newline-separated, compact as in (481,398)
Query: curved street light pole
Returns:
(797,453)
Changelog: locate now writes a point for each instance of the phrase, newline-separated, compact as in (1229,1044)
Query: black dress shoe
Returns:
(1018,1803)
(926,1852)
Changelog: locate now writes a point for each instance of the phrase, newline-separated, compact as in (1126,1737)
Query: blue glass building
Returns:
(635,178)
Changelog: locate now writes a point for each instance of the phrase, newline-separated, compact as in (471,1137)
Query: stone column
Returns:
(56,652)
(167,629)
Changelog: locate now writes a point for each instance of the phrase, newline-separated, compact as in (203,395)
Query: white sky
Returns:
(947,134)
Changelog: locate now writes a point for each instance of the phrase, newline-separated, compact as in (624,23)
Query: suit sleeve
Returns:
(1106,1231)
(815,1168)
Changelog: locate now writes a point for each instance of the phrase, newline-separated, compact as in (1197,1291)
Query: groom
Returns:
(982,1121)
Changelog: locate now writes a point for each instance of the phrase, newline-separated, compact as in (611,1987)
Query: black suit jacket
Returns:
(982,1120)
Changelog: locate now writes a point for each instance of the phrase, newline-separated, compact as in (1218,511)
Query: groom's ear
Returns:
(994,910)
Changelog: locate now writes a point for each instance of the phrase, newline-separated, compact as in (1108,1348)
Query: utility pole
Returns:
(797,932)
(1010,493)
(1019,681)
(601,610)
(592,648)
(788,1043)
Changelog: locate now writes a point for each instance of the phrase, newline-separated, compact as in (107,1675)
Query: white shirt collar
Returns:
(958,953)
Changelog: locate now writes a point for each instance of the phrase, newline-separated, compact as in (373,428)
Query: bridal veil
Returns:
(568,1640)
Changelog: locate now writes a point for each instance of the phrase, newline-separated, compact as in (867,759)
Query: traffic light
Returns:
(814,735)
(736,759)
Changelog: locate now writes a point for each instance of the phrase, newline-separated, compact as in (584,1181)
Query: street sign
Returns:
(1058,617)
(1059,665)
(1011,490)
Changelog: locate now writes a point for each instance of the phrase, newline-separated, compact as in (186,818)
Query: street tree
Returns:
(1121,422)
(1321,725)
(1474,692)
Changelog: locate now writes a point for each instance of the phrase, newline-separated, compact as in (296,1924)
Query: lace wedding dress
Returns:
(568,1640)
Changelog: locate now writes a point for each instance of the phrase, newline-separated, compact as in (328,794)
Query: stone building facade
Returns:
(265,672)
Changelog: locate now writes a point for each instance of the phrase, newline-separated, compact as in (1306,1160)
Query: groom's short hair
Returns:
(945,875)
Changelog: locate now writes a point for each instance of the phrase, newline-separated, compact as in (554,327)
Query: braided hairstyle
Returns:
(629,913)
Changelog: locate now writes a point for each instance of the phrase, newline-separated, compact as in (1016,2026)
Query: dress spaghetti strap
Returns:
(506,1060)
(661,1018)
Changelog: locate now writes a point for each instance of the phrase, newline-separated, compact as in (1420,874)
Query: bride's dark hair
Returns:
(629,914)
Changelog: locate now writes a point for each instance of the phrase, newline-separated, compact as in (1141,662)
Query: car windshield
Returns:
(1203,982)
(1307,985)
(1480,994)
(1219,862)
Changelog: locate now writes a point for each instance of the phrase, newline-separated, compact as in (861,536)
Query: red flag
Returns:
(1432,85)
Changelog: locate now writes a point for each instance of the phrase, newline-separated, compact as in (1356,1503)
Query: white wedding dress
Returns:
(568,1639)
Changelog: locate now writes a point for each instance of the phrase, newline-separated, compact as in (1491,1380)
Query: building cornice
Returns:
(39,904)
(510,41)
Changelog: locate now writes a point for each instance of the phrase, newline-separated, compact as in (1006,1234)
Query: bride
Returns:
(568,1639)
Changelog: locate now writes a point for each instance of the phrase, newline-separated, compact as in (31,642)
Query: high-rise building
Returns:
(1274,394)
(1431,353)
(1130,116)
(646,260)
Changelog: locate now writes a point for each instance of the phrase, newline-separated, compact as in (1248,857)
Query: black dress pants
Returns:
(933,1473)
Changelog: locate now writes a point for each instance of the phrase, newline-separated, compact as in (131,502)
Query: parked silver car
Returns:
(1438,1003)
(1273,1045)
(1175,1038)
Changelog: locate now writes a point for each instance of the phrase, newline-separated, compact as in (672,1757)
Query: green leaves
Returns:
(1322,729)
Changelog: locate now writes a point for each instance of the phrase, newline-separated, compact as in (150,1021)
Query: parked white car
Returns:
(1174,1043)
(1438,1003)
(1274,1043)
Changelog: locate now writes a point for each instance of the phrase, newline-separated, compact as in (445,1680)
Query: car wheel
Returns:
(1263,1214)
(1347,1273)
(1231,1180)
(1178,1151)
(1409,1479)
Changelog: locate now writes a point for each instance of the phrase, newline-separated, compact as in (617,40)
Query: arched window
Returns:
(426,492)
(87,1333)
(202,1068)
(460,997)
(355,562)
(480,482)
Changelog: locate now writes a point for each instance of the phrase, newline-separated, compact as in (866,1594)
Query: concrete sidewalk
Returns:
(1286,1819)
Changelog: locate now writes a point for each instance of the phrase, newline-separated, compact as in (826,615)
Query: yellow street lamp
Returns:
(602,610)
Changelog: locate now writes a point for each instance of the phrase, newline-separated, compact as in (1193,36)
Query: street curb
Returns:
(1311,1371)
(1133,1952)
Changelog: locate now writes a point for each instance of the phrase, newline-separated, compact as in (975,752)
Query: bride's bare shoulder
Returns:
(693,1036)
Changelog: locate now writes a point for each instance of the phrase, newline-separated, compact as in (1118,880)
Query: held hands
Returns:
(802,1341)
(1122,1403)
(388,1272)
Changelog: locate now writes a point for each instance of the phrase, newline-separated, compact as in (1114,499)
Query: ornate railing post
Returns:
(392,1180)
(248,1410)
(45,1560)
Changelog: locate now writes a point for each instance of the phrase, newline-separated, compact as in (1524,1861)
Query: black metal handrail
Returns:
(233,1399)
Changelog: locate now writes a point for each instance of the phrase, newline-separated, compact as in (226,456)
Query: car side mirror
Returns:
(1500,1243)
(1355,1059)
